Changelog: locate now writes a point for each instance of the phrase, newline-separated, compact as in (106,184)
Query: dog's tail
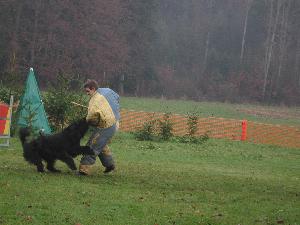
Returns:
(24,132)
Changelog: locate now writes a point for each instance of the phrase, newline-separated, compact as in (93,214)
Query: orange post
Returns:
(244,130)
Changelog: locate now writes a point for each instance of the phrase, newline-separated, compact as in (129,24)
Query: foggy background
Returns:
(223,50)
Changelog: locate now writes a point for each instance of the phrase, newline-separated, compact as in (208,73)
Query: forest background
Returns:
(223,50)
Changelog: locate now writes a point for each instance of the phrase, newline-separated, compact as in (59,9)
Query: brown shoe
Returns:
(79,173)
(109,169)
(83,169)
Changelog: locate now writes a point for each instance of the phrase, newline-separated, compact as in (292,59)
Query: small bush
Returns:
(165,127)
(156,130)
(191,137)
(58,103)
(147,132)
(6,92)
(192,124)
(13,85)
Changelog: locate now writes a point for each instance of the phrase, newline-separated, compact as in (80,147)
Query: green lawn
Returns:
(218,182)
(258,113)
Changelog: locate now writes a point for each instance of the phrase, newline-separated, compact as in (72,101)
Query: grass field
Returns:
(258,113)
(218,182)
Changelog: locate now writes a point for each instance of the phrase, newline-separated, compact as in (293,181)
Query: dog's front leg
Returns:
(69,161)
(37,161)
(39,166)
(50,166)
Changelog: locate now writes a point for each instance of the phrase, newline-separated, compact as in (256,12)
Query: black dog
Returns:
(62,146)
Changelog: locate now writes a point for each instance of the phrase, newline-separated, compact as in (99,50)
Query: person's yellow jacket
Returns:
(100,113)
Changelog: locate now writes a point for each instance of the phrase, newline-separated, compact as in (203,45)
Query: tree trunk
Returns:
(248,7)
(207,43)
(270,44)
(206,51)
(283,41)
(14,40)
(297,63)
(121,85)
(35,31)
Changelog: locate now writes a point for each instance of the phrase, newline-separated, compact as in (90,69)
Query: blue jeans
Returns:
(98,142)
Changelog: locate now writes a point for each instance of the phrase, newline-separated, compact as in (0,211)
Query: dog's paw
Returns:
(53,170)
(40,169)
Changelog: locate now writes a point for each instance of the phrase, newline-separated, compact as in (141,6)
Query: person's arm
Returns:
(93,117)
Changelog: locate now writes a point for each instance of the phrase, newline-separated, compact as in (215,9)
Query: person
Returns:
(103,114)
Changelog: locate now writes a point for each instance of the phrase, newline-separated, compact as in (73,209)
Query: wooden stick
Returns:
(75,103)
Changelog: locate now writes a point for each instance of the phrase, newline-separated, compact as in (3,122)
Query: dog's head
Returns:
(24,132)
(77,129)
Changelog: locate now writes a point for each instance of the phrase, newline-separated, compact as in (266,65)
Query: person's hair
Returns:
(91,84)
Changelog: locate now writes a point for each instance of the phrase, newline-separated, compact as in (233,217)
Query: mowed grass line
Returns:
(288,115)
(219,182)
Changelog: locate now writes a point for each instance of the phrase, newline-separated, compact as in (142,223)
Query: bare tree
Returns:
(37,6)
(14,39)
(283,38)
(273,24)
(248,7)
(207,42)
(297,62)
(296,28)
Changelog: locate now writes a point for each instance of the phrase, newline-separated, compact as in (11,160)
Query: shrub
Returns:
(192,123)
(147,132)
(13,84)
(165,127)
(191,137)
(58,103)
(156,130)
(6,92)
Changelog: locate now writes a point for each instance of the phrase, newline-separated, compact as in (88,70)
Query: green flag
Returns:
(31,108)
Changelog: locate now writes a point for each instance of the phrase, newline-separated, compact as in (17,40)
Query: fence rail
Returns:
(281,135)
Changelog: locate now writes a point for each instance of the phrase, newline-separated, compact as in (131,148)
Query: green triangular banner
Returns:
(32,112)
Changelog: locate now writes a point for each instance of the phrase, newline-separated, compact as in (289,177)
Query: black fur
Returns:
(62,146)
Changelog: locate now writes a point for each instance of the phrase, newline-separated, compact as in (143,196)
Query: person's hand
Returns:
(94,121)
